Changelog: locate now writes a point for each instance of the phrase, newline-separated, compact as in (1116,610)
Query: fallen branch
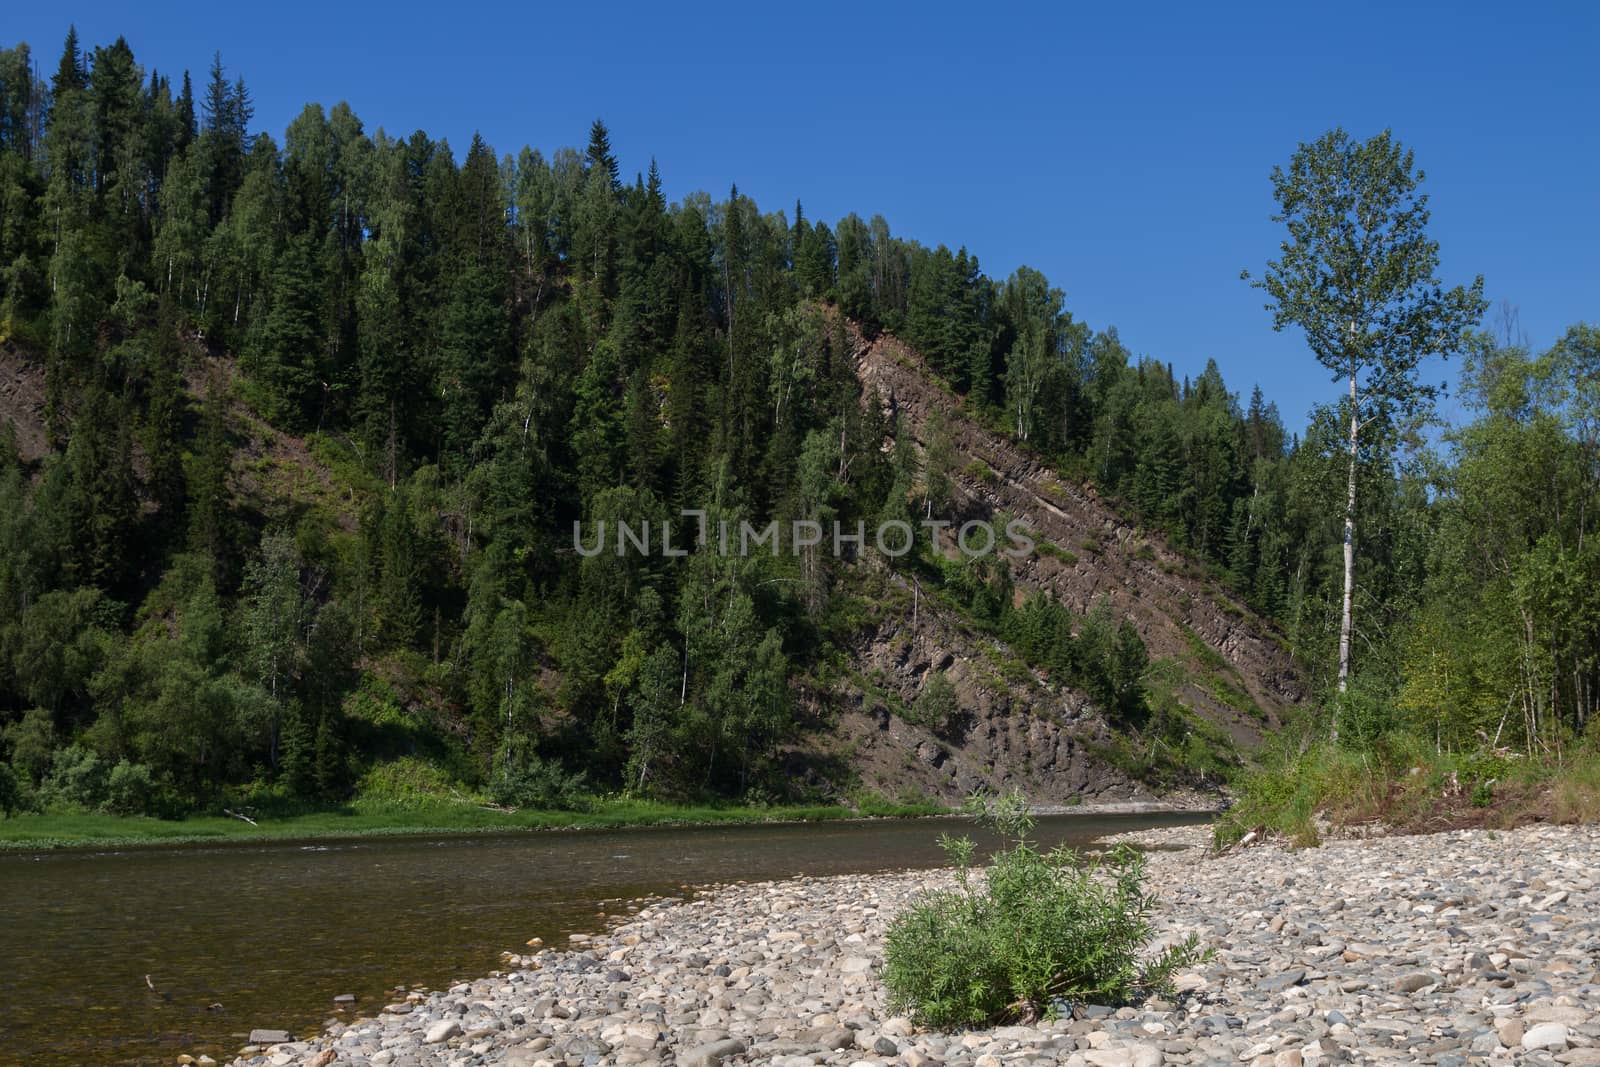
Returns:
(487,807)
(241,818)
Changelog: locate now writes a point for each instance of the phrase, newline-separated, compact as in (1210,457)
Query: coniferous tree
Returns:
(289,341)
(598,155)
(185,129)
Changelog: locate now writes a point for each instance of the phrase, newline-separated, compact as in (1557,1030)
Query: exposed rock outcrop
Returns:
(1242,677)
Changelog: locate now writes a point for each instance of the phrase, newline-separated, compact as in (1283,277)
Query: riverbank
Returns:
(1466,947)
(56,831)
(1410,786)
(76,831)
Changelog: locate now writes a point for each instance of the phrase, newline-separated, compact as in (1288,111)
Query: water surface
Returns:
(266,935)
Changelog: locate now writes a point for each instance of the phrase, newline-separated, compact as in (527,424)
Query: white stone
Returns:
(1545,1035)
(443,1030)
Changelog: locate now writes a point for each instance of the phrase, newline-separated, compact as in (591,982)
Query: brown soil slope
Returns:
(22,402)
(1238,674)
(273,472)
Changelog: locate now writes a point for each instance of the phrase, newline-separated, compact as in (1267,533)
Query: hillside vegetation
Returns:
(294,436)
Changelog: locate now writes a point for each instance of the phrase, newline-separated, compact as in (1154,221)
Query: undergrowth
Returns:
(1402,782)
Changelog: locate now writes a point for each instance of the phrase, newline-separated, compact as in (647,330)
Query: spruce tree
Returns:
(286,351)
(598,156)
(186,130)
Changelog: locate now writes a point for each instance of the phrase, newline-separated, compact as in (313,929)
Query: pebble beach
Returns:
(1469,947)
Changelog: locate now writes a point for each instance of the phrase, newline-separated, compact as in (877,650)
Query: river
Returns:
(234,937)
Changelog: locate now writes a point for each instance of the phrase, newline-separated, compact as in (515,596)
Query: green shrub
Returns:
(131,791)
(1484,768)
(406,781)
(939,708)
(1288,790)
(1055,552)
(33,744)
(1039,931)
(77,780)
(10,791)
(537,783)
(979,471)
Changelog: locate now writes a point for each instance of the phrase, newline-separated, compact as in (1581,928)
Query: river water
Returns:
(234,937)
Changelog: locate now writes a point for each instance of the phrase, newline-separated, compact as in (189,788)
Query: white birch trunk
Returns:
(1349,549)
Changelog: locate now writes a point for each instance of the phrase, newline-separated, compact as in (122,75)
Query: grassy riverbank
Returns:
(369,819)
(1405,784)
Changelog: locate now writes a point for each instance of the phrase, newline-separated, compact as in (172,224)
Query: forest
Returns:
(455,355)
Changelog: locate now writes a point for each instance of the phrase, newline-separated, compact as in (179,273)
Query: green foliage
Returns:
(130,790)
(461,341)
(405,782)
(32,740)
(77,780)
(1107,662)
(1056,552)
(979,471)
(1036,932)
(11,795)
(1283,797)
(1173,746)
(538,784)
(1356,275)
(938,707)
(1356,269)
(1506,642)
(1384,769)
(30,831)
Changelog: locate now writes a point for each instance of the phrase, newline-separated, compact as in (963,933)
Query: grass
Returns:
(1575,797)
(1203,654)
(1054,490)
(1409,787)
(367,819)
(980,471)
(1218,677)
(1229,695)
(1056,552)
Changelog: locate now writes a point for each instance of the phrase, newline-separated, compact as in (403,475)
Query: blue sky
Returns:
(1124,150)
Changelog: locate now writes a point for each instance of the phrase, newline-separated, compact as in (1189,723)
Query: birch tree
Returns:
(1036,310)
(1357,275)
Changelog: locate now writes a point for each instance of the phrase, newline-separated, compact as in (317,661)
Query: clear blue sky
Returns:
(1122,149)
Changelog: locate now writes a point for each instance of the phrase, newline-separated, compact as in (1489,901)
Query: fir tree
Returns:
(598,155)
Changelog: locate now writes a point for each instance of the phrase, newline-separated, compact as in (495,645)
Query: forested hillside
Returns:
(293,437)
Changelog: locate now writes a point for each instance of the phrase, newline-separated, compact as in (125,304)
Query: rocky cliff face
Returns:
(1016,729)
(1238,673)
